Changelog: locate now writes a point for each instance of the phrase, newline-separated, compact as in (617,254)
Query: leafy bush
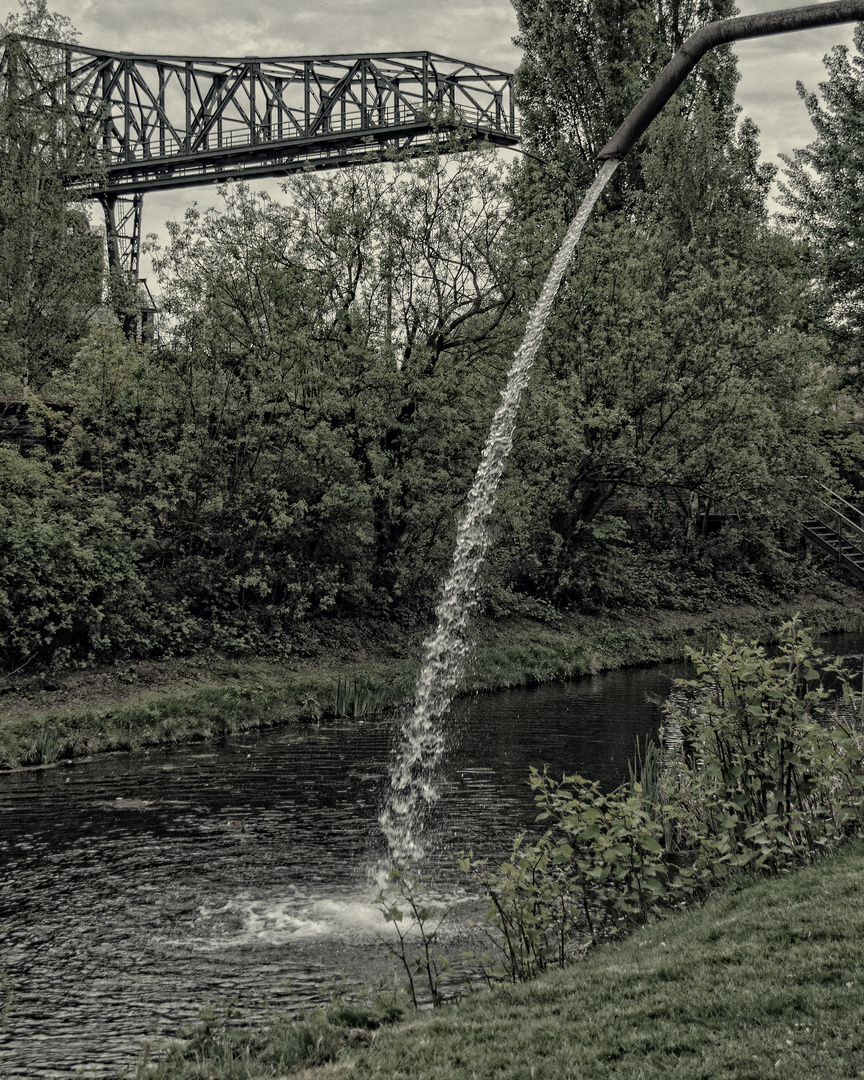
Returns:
(764,773)
(768,768)
(598,868)
(532,918)
(69,583)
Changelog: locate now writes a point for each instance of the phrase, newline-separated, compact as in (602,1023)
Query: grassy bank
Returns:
(764,980)
(46,719)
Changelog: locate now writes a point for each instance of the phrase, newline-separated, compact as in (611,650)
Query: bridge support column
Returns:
(123,232)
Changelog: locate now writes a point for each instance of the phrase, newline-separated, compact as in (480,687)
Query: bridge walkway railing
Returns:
(837,529)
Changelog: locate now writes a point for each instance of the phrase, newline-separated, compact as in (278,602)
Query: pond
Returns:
(136,886)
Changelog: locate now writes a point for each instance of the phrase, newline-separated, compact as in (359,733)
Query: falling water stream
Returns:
(412,787)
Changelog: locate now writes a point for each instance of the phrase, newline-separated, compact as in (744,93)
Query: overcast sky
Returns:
(476,30)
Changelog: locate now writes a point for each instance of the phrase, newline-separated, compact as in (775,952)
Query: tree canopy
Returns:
(296,444)
(823,194)
(587,62)
(50,258)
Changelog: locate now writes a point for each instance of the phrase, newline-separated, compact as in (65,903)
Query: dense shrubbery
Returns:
(599,865)
(762,770)
(301,440)
(768,771)
(70,589)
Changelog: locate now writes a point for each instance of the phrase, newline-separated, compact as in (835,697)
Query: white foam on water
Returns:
(265,921)
(412,774)
(349,919)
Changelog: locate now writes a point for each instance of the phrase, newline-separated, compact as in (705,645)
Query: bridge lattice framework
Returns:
(172,121)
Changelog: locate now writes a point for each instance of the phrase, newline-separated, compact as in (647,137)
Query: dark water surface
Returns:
(135,886)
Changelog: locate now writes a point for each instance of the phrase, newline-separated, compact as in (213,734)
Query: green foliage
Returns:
(357,698)
(823,199)
(415,917)
(768,773)
(69,586)
(598,868)
(585,65)
(680,389)
(50,258)
(704,184)
(681,386)
(532,918)
(300,442)
(673,389)
(769,767)
(821,195)
(289,452)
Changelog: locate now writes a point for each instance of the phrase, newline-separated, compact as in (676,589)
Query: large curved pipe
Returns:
(708,37)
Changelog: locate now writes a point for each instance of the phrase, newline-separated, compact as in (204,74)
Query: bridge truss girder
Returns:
(168,122)
(162,121)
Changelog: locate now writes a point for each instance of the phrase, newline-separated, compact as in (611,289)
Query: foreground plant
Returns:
(598,869)
(414,916)
(768,770)
(532,919)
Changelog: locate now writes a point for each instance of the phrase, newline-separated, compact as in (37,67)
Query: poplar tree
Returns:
(587,62)
(50,258)
(674,386)
(824,198)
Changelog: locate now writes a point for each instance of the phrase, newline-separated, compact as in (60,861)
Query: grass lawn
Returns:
(766,980)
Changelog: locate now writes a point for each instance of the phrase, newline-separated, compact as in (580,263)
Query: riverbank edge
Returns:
(47,721)
(716,990)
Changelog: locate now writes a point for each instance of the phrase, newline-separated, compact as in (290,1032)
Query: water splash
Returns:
(412,774)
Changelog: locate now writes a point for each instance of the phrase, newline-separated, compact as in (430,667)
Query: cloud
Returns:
(480,32)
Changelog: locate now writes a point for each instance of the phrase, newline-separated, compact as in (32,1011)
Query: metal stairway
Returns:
(837,529)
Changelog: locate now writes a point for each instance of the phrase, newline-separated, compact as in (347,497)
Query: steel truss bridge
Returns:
(173,121)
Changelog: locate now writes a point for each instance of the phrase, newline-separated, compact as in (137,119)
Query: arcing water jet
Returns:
(412,787)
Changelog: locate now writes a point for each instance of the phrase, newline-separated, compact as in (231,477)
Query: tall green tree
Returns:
(585,65)
(661,398)
(823,194)
(50,258)
(674,390)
